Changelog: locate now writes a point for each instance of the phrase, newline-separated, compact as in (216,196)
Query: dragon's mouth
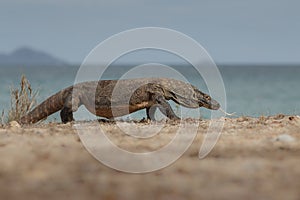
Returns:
(190,103)
(213,105)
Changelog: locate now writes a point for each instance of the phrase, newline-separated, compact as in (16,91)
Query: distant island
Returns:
(28,56)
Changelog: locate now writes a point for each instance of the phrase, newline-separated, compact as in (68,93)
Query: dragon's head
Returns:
(189,96)
(205,100)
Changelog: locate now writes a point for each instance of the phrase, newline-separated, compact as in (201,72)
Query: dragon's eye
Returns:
(208,98)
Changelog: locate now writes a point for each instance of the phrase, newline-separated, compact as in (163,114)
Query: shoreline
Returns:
(253,158)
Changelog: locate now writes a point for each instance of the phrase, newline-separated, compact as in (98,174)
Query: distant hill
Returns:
(28,56)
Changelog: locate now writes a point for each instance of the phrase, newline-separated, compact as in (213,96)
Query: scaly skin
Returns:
(114,98)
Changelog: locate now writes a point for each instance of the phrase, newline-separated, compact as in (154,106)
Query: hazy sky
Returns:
(233,31)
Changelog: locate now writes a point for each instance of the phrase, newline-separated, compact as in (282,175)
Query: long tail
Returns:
(46,108)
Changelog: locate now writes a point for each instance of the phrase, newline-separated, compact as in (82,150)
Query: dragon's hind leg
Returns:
(70,106)
(66,115)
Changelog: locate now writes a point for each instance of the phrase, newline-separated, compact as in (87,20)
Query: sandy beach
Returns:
(255,158)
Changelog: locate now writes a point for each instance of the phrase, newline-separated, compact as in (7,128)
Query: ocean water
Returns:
(250,90)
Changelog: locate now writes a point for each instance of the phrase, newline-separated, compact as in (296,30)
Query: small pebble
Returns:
(284,138)
(14,124)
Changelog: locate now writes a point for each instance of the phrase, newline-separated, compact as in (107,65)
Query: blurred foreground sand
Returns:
(255,158)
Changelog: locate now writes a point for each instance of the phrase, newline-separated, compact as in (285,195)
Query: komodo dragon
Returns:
(104,99)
